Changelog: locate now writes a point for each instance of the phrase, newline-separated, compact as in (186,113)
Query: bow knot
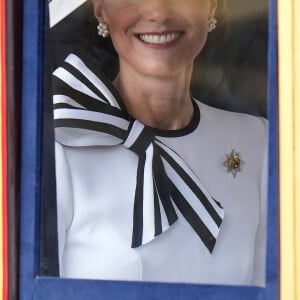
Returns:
(139,137)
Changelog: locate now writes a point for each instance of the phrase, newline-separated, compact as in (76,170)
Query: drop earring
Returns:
(212,24)
(103,29)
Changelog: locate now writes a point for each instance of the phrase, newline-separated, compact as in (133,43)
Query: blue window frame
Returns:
(33,286)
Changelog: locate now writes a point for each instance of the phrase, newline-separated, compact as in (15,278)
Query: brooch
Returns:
(233,162)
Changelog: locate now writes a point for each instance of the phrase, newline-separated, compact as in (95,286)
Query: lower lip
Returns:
(161,46)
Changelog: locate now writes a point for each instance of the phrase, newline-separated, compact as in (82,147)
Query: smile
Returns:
(158,39)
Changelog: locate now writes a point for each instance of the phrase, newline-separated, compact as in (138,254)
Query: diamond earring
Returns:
(103,29)
(212,24)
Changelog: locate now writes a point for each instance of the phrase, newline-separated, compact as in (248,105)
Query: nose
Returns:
(158,10)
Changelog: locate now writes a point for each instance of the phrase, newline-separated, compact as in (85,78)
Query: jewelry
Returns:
(233,162)
(103,29)
(212,24)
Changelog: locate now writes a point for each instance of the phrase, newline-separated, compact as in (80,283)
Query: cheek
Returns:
(119,33)
(121,26)
(198,36)
(119,13)
(120,23)
(200,27)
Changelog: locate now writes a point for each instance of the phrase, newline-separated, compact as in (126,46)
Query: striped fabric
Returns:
(88,113)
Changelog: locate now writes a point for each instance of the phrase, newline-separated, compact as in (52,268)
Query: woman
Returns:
(153,185)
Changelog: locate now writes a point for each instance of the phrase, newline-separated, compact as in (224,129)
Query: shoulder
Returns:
(246,127)
(246,134)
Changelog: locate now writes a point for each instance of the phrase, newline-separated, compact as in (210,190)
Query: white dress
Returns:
(95,194)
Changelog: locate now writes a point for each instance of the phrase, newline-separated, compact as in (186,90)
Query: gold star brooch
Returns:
(233,162)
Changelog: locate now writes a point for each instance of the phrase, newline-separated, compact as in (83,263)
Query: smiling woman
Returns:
(152,184)
(137,33)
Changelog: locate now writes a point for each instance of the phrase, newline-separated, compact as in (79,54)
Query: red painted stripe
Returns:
(4,151)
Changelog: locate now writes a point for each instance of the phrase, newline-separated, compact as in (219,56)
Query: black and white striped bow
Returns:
(88,113)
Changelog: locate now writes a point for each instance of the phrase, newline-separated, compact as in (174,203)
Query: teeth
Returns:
(159,39)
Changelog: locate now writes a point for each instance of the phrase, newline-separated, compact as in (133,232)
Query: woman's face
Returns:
(156,37)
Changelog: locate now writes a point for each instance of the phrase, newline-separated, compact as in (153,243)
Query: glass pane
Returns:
(161,141)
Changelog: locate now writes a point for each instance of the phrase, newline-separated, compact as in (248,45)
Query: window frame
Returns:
(33,286)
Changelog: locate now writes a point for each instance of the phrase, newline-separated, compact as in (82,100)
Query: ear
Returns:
(98,10)
(213,7)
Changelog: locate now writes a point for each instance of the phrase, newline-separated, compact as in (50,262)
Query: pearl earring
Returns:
(103,29)
(212,24)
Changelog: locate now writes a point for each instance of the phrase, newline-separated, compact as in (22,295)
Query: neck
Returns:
(160,102)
